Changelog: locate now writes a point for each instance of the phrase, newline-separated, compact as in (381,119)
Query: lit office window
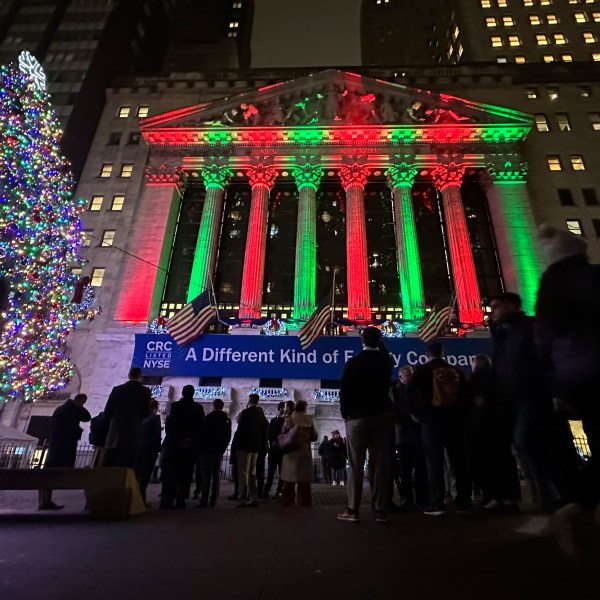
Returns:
(560,39)
(574,226)
(86,239)
(554,163)
(541,122)
(508,22)
(126,170)
(96,203)
(124,112)
(596,17)
(595,121)
(76,271)
(580,17)
(535,20)
(563,122)
(552,20)
(531,93)
(541,39)
(548,58)
(552,93)
(108,237)
(491,21)
(97,276)
(117,203)
(502,4)
(589,37)
(596,56)
(577,162)
(143,111)
(514,40)
(496,41)
(527,2)
(567,57)
(106,170)
(585,91)
(545,2)
(486,4)
(520,60)
(502,60)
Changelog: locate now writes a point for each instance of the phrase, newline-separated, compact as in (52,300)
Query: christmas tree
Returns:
(40,234)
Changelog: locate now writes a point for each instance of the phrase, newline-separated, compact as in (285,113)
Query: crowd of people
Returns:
(436,434)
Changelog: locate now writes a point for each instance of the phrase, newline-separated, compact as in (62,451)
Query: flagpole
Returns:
(332,299)
(212,287)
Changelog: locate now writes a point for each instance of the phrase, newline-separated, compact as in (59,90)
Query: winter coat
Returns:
(406,429)
(128,405)
(297,466)
(184,428)
(251,434)
(150,436)
(336,453)
(217,433)
(65,433)
(275,426)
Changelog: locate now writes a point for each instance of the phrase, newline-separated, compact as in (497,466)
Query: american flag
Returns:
(313,328)
(191,321)
(435,322)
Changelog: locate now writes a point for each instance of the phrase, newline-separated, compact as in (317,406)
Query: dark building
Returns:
(84,45)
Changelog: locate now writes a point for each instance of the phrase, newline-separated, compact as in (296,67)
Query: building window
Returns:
(565,197)
(491,21)
(545,2)
(86,239)
(97,276)
(108,237)
(563,122)
(270,382)
(502,59)
(560,39)
(554,163)
(502,4)
(126,170)
(542,39)
(589,37)
(585,91)
(577,162)
(567,57)
(106,170)
(580,17)
(486,4)
(134,138)
(595,121)
(514,40)
(596,224)
(531,93)
(143,111)
(117,203)
(96,203)
(76,271)
(596,56)
(535,20)
(574,226)
(496,41)
(520,60)
(596,17)
(548,58)
(552,20)
(114,139)
(552,93)
(589,196)
(527,2)
(508,21)
(123,112)
(541,123)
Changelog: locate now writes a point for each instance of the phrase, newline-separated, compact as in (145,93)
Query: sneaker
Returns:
(334,483)
(348,515)
(432,511)
(342,483)
(381,516)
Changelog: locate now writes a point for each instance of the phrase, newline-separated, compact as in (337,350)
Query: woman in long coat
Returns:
(297,466)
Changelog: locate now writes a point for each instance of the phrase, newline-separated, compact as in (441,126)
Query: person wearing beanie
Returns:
(567,303)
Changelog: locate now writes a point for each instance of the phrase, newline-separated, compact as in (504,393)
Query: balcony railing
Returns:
(327,395)
(207,392)
(270,393)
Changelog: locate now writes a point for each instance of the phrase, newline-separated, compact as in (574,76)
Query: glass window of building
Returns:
(596,224)
(143,111)
(491,21)
(552,93)
(134,138)
(496,41)
(117,202)
(535,20)
(514,40)
(123,112)
(565,197)
(502,3)
(577,162)
(589,37)
(554,163)
(567,57)
(127,170)
(96,203)
(97,276)
(520,60)
(595,120)
(589,196)
(563,122)
(548,58)
(486,4)
(585,91)
(545,2)
(114,139)
(531,93)
(580,17)
(541,122)
(86,239)
(541,39)
(527,2)
(560,39)
(596,56)
(596,17)
(508,21)
(574,226)
(108,238)
(106,170)
(76,271)
(552,20)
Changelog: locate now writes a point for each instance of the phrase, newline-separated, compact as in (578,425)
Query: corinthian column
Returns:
(262,178)
(447,178)
(156,219)
(514,227)
(401,177)
(308,177)
(215,179)
(354,177)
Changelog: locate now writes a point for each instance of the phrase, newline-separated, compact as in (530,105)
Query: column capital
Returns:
(507,169)
(215,175)
(262,174)
(401,174)
(354,174)
(307,174)
(165,175)
(447,174)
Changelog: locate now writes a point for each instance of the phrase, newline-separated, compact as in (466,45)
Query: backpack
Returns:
(99,430)
(446,387)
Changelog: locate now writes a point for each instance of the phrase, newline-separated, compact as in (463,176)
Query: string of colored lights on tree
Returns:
(40,234)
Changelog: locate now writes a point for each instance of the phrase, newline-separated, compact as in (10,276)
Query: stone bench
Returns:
(110,492)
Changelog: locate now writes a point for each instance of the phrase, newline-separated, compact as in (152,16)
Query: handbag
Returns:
(293,439)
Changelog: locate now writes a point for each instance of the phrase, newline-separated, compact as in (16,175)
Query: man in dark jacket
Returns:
(128,405)
(366,407)
(217,434)
(275,454)
(147,452)
(184,431)
(439,397)
(64,435)
(251,438)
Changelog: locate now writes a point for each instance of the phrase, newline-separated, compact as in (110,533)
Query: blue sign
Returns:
(281,357)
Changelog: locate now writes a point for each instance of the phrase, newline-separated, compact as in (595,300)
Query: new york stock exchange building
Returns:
(275,190)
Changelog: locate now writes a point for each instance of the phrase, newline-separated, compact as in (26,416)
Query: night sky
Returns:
(292,33)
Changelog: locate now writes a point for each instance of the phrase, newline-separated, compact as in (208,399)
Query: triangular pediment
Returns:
(334,98)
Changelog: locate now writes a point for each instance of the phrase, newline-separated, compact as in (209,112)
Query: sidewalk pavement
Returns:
(272,553)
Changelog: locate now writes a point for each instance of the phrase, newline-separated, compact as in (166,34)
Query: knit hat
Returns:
(558,245)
